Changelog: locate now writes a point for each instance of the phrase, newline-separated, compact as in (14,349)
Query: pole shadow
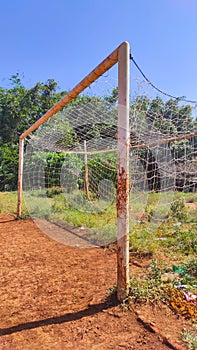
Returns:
(90,311)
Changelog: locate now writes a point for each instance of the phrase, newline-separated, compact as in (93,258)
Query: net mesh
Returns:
(163,156)
(70,167)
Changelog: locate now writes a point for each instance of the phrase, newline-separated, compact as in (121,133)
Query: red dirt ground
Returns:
(54,297)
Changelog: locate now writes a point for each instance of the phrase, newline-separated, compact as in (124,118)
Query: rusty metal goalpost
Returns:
(120,55)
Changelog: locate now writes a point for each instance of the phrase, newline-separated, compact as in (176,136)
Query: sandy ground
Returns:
(53,296)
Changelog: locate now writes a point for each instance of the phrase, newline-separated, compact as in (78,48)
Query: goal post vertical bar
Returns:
(123,171)
(20,176)
(86,171)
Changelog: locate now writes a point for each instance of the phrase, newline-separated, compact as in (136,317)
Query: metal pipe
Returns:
(123,172)
(20,177)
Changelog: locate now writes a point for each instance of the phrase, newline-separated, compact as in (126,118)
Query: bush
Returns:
(178,209)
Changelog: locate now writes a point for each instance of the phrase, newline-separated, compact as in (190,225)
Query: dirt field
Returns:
(54,297)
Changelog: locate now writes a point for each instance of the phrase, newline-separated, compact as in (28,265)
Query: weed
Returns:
(141,240)
(147,287)
(181,239)
(188,277)
(112,291)
(53,191)
(190,337)
(178,209)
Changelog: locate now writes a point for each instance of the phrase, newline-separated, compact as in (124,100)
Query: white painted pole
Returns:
(86,171)
(123,171)
(20,176)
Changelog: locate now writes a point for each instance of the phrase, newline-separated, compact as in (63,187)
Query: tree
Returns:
(8,167)
(19,109)
(165,119)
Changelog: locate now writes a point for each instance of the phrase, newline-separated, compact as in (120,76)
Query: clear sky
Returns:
(66,39)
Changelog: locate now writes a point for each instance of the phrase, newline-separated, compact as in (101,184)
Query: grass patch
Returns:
(164,222)
(190,338)
(8,204)
(175,286)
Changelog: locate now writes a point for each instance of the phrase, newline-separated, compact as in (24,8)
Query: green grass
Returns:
(8,204)
(162,283)
(169,225)
(190,338)
(171,228)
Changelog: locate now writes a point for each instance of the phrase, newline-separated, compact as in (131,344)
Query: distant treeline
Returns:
(21,107)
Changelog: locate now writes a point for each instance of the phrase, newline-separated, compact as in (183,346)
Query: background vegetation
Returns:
(21,107)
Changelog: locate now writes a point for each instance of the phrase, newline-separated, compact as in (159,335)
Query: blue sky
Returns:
(65,40)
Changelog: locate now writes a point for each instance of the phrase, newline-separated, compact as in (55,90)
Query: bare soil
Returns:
(53,296)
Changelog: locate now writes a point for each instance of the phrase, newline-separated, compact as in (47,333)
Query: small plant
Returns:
(53,191)
(190,337)
(141,241)
(144,290)
(183,239)
(148,287)
(111,297)
(150,211)
(178,209)
(189,274)
(112,291)
(191,267)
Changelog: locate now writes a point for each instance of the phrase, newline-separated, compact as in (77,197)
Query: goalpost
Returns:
(121,55)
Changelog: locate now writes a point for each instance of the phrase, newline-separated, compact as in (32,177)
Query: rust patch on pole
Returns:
(123,188)
(123,235)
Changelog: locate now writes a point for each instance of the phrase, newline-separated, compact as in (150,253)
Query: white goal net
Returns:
(70,168)
(70,176)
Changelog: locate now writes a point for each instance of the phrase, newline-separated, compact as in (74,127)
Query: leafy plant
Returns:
(190,337)
(8,167)
(178,209)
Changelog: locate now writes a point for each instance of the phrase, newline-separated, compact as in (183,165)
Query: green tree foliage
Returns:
(21,107)
(8,167)
(168,118)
